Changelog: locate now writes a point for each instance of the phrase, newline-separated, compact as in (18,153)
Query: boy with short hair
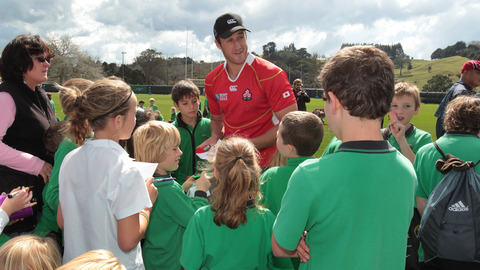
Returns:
(193,128)
(298,137)
(342,205)
(152,104)
(401,133)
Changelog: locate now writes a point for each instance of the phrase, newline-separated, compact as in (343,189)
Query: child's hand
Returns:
(19,202)
(303,249)
(45,172)
(203,183)
(396,127)
(152,190)
(188,183)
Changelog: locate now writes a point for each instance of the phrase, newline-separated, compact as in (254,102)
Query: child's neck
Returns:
(161,171)
(189,121)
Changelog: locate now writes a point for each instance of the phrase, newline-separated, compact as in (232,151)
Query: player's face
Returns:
(234,48)
(188,106)
(403,109)
(129,119)
(171,160)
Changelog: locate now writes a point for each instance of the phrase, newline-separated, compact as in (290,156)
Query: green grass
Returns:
(424,120)
(419,74)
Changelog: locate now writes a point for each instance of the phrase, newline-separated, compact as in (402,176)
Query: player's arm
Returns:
(421,204)
(269,138)
(216,130)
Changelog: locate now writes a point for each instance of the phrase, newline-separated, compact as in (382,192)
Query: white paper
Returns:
(146,169)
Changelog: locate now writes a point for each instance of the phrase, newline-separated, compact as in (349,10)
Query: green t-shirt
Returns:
(332,146)
(355,204)
(154,107)
(274,183)
(170,215)
(190,163)
(465,146)
(48,221)
(416,138)
(208,246)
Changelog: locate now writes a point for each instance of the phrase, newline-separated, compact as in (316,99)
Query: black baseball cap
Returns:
(227,24)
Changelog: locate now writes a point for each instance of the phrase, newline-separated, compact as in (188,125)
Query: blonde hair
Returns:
(408,89)
(238,179)
(90,109)
(28,252)
(152,140)
(74,83)
(94,260)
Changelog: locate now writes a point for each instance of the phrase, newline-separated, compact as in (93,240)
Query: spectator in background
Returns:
(141,104)
(25,115)
(247,95)
(469,79)
(301,96)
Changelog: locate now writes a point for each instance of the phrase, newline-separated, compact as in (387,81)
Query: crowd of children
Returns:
(350,209)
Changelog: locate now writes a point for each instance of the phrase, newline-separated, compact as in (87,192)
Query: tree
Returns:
(270,51)
(438,83)
(152,65)
(70,61)
(401,61)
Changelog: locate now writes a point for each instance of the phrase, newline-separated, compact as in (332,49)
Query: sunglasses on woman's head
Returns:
(42,59)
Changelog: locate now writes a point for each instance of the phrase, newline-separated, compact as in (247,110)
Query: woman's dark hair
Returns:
(16,56)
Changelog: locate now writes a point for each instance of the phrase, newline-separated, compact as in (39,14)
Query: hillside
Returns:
(419,73)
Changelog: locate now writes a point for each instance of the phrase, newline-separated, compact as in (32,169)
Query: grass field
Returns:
(424,120)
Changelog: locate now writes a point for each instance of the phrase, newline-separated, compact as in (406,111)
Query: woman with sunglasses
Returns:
(25,115)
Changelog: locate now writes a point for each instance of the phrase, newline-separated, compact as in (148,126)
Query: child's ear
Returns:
(176,105)
(416,111)
(291,150)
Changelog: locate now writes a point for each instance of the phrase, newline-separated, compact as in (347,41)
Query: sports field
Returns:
(424,120)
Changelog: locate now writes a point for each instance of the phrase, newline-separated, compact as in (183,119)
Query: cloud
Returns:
(106,28)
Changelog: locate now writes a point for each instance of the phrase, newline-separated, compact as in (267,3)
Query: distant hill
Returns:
(419,74)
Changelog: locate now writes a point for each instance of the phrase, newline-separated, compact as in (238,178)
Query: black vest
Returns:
(34,115)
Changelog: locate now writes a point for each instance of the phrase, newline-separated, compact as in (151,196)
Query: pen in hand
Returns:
(13,194)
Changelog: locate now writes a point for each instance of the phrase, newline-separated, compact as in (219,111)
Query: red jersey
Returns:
(249,101)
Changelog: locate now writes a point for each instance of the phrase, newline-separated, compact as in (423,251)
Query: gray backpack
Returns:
(450,225)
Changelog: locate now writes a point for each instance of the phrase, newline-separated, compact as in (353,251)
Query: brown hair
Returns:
(362,78)
(54,135)
(408,89)
(30,252)
(17,56)
(303,130)
(153,139)
(90,109)
(99,259)
(238,179)
(463,114)
(184,88)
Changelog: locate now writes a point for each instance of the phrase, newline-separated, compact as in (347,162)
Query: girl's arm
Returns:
(130,230)
(60,216)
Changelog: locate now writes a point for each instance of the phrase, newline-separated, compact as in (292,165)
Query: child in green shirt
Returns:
(234,232)
(298,138)
(158,142)
(193,128)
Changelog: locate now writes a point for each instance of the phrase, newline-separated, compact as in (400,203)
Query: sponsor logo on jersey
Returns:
(232,21)
(247,95)
(222,97)
(458,207)
(286,94)
(233,88)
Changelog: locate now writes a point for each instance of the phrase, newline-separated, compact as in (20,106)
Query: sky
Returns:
(106,28)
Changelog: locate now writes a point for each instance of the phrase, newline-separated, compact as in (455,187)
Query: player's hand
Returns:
(203,183)
(188,183)
(152,190)
(302,249)
(46,171)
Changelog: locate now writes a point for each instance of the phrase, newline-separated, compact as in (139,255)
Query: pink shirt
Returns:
(9,156)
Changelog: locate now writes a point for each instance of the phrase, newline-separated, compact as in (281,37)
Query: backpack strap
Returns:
(449,162)
(440,150)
